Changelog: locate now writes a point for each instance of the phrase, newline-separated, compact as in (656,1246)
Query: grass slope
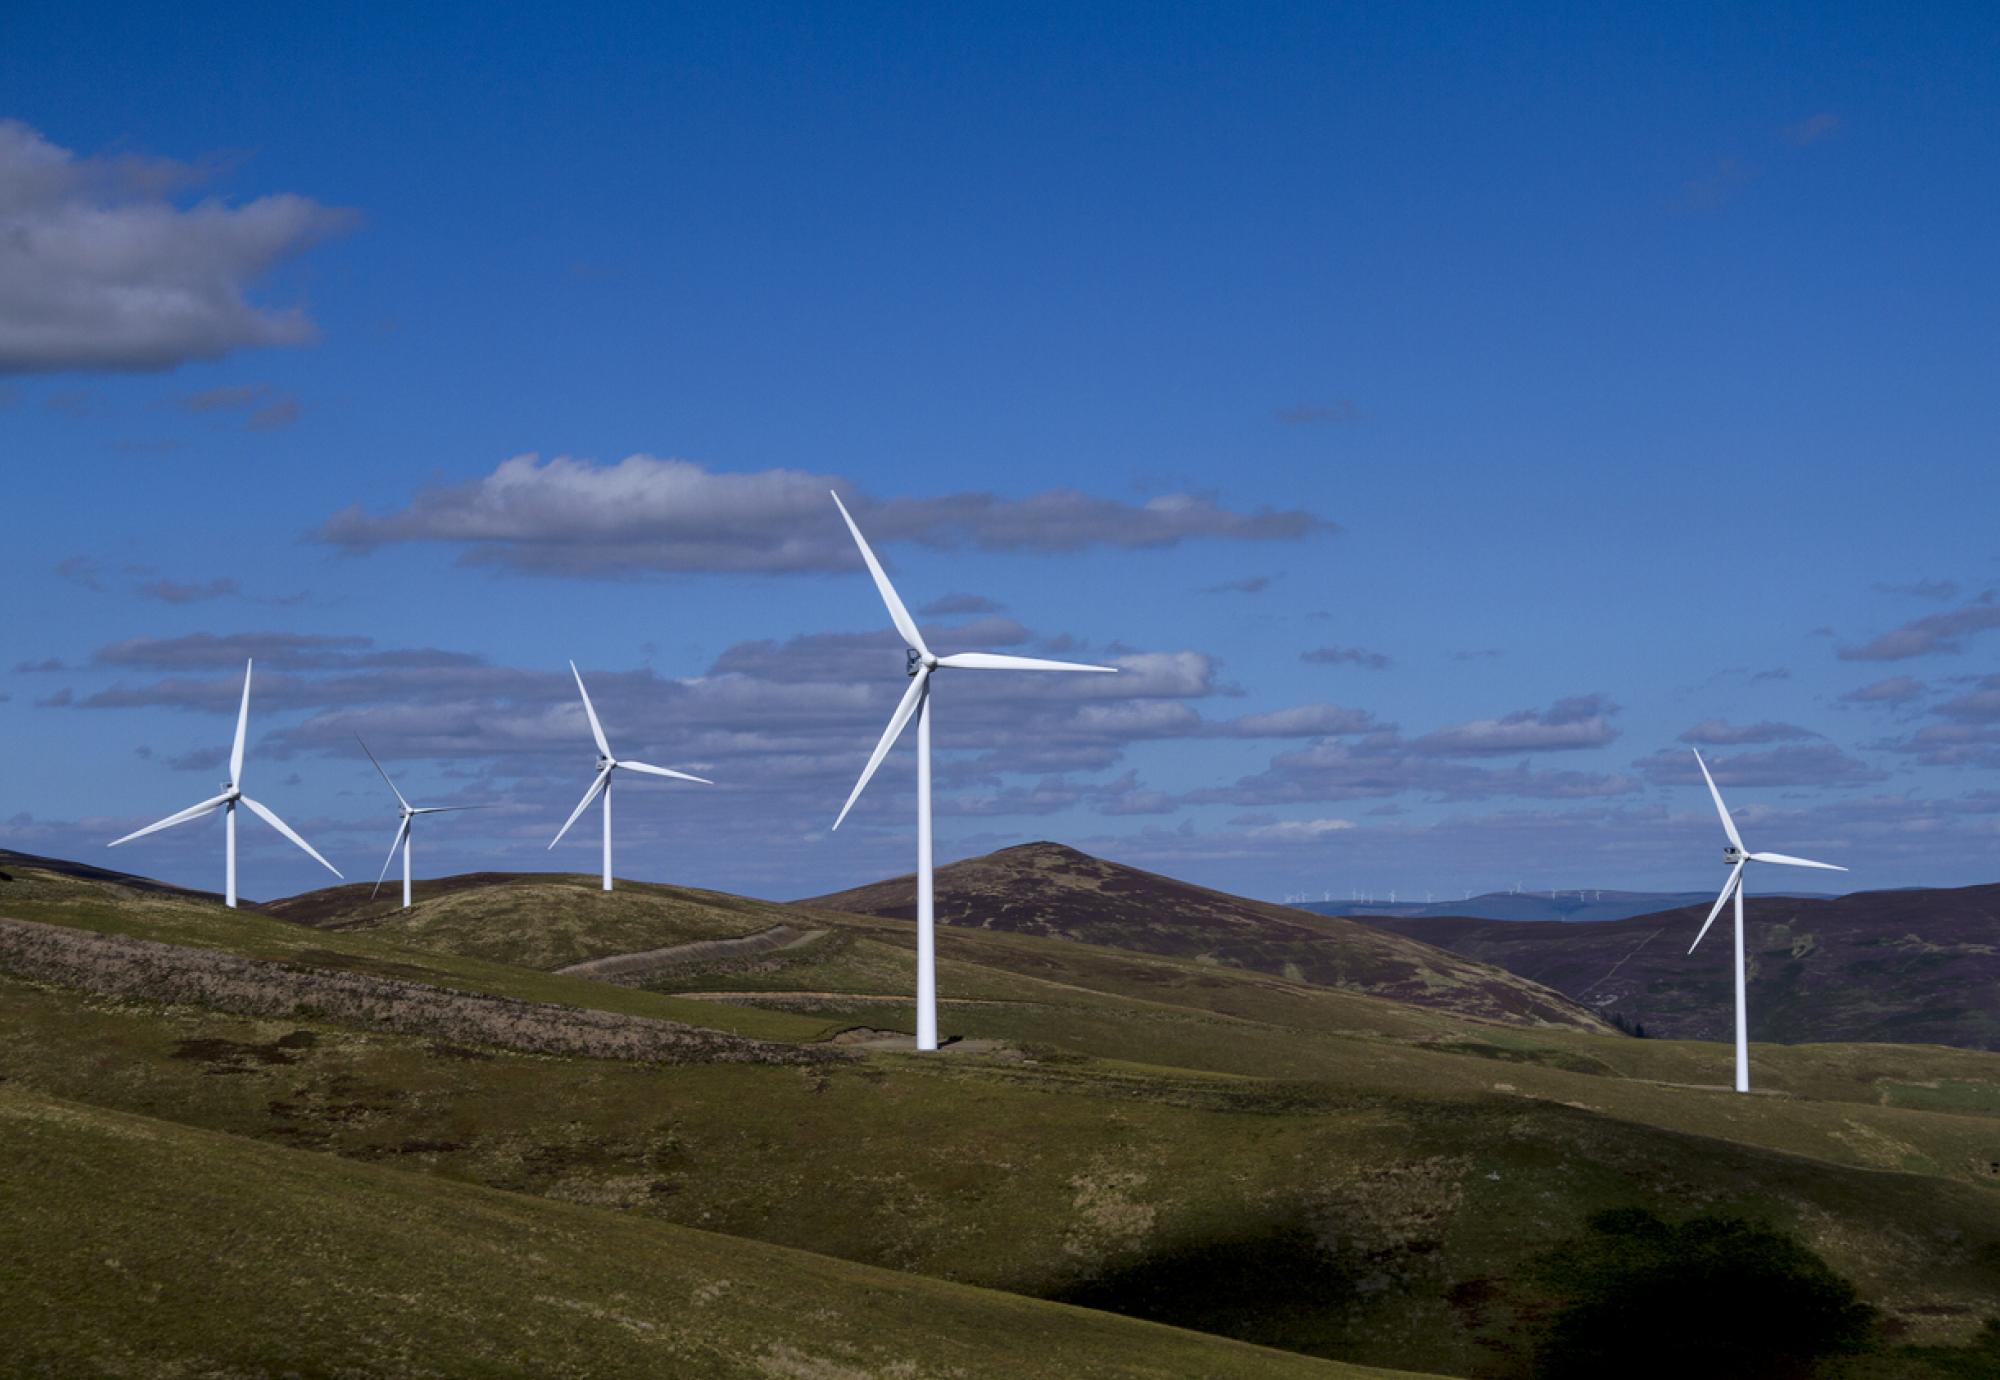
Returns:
(111,904)
(535,920)
(1050,890)
(1907,966)
(313,1266)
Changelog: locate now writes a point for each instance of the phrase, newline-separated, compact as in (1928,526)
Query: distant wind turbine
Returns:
(232,795)
(607,764)
(919,665)
(1736,859)
(402,840)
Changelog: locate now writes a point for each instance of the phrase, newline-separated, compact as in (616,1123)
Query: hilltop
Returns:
(534,919)
(1055,891)
(1907,965)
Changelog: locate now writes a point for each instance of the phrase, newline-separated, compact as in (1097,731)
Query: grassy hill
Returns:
(1292,1164)
(1918,965)
(1050,890)
(150,1249)
(534,920)
(51,892)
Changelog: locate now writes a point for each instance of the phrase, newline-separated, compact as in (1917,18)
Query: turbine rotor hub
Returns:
(915,661)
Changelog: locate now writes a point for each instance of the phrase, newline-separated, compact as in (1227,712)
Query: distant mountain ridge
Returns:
(1053,890)
(1909,965)
(1587,904)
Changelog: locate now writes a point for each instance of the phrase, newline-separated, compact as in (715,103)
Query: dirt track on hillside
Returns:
(627,969)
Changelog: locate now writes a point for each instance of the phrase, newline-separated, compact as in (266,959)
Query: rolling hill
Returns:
(313,1266)
(534,919)
(1313,1168)
(1908,965)
(1054,891)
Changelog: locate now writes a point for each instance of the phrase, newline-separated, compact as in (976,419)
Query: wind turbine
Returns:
(1737,859)
(232,795)
(402,841)
(919,664)
(606,764)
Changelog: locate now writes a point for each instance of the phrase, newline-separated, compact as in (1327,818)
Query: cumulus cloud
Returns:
(1580,721)
(1720,733)
(1381,764)
(207,651)
(1345,656)
(644,514)
(1305,721)
(179,592)
(1802,764)
(1894,690)
(1933,634)
(952,605)
(101,268)
(1981,704)
(1298,830)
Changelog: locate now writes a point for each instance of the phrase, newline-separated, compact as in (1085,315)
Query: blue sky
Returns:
(1445,418)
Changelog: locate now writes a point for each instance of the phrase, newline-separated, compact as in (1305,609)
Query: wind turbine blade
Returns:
(401,829)
(582,805)
(447,809)
(286,829)
(1790,861)
(1735,878)
(897,720)
(995,661)
(385,775)
(898,615)
(179,817)
(663,771)
(1728,824)
(596,728)
(242,725)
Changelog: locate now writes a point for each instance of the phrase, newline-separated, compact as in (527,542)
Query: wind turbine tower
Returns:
(607,764)
(1735,859)
(407,812)
(232,796)
(920,664)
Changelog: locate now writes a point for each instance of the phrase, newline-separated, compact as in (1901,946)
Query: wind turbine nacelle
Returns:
(913,661)
(1731,855)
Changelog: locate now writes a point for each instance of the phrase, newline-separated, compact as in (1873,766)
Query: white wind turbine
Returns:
(919,664)
(1736,859)
(606,764)
(232,795)
(402,840)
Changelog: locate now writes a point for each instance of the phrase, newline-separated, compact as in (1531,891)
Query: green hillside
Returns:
(534,920)
(1284,1162)
(149,1249)
(1053,891)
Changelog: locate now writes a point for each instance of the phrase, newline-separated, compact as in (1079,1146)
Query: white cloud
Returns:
(574,517)
(100,269)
